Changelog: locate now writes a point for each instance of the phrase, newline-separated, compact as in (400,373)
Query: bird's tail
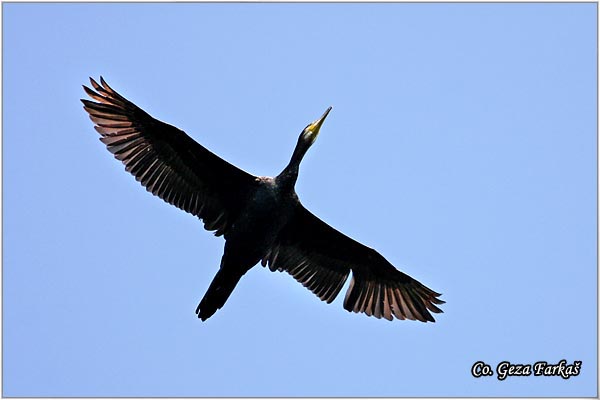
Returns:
(217,294)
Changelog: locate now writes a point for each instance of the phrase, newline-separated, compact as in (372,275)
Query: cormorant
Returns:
(260,218)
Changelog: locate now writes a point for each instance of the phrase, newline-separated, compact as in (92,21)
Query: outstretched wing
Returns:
(166,161)
(320,257)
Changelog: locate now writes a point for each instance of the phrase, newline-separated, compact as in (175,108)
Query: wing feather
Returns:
(321,259)
(166,161)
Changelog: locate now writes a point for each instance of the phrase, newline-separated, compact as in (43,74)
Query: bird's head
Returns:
(287,177)
(310,133)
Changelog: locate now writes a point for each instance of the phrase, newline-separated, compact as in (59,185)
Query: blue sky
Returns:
(462,145)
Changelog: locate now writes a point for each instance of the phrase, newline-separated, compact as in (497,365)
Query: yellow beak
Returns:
(316,126)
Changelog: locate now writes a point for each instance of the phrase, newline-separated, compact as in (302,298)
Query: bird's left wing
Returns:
(166,161)
(321,258)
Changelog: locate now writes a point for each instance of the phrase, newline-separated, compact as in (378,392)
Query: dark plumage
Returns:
(260,218)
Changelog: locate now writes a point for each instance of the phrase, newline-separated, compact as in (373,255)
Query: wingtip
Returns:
(88,91)
(94,83)
(435,299)
(106,86)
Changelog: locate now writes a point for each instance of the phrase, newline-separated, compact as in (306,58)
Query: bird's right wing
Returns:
(166,161)
(321,258)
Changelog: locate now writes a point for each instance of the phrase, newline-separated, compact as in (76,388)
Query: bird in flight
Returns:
(261,218)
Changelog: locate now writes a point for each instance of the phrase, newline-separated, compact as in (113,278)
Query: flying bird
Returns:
(261,218)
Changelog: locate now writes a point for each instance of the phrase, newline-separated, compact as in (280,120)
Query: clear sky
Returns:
(462,145)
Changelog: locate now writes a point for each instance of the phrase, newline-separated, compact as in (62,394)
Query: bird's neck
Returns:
(286,180)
